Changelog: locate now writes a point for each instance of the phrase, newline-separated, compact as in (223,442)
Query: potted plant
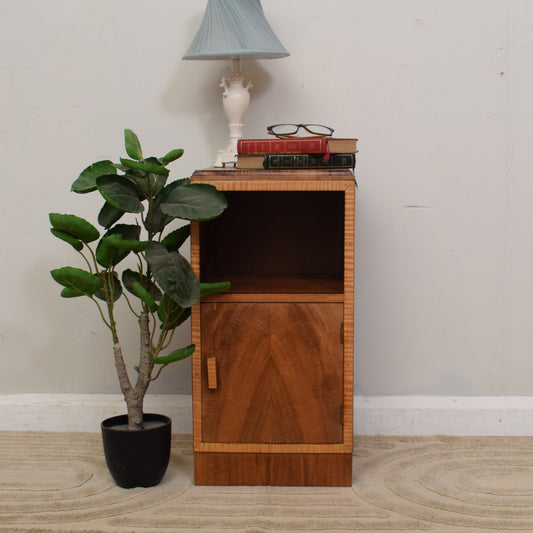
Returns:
(158,286)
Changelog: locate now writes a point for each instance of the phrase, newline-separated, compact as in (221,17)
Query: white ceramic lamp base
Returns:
(236,101)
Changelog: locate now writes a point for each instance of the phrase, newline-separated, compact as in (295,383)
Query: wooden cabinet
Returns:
(273,366)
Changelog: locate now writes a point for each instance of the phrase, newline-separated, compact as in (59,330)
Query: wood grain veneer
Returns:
(275,384)
(281,469)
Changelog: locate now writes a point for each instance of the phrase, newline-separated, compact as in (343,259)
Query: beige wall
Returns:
(439,95)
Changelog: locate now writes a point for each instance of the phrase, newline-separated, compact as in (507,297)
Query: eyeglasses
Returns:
(289,130)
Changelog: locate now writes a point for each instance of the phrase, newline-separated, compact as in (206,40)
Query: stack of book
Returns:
(297,152)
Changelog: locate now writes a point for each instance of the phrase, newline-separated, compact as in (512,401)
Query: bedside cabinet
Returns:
(273,366)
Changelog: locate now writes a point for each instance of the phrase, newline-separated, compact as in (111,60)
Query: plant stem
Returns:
(158,372)
(122,372)
(134,396)
(101,313)
(86,260)
(145,360)
(130,306)
(109,286)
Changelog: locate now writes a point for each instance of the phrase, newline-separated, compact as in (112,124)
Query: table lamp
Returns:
(231,29)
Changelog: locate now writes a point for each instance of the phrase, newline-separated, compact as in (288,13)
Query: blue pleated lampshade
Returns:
(233,28)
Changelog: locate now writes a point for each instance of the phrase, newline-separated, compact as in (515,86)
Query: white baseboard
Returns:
(85,412)
(385,415)
(444,415)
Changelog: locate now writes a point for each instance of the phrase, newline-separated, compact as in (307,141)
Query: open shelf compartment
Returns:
(276,242)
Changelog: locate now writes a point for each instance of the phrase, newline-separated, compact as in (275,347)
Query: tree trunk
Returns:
(134,396)
(145,355)
(134,403)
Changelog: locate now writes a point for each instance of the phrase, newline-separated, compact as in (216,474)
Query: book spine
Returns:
(288,161)
(303,145)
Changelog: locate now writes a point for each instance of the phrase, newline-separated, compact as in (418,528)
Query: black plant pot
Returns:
(137,458)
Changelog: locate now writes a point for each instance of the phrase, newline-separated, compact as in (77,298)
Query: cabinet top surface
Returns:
(304,175)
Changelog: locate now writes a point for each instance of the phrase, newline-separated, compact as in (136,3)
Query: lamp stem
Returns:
(236,101)
(236,64)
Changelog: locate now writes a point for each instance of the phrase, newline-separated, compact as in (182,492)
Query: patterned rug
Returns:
(58,482)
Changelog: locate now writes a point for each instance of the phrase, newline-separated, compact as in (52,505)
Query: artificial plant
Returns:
(160,286)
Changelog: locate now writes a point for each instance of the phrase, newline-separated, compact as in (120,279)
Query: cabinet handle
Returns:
(212,373)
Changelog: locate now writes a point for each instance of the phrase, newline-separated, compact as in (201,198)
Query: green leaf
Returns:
(171,313)
(133,146)
(151,168)
(196,201)
(78,227)
(67,237)
(142,181)
(107,255)
(176,355)
(120,193)
(171,156)
(174,240)
(86,181)
(109,215)
(77,280)
(130,277)
(174,274)
(143,294)
(160,179)
(156,219)
(116,241)
(116,288)
(214,288)
(70,293)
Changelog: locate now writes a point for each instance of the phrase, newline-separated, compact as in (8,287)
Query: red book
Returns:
(298,145)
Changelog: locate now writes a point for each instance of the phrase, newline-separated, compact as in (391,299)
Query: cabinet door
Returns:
(279,372)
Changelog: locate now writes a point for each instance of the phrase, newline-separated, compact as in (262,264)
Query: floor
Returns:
(59,482)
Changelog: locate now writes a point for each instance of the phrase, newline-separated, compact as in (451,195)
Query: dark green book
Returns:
(292,161)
